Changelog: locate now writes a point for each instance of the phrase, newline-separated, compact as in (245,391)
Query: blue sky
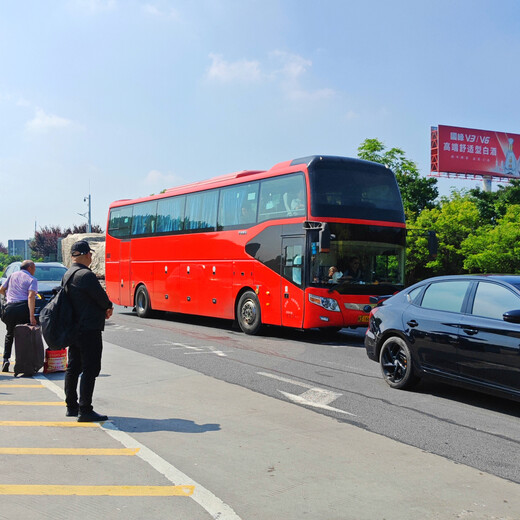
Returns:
(125,98)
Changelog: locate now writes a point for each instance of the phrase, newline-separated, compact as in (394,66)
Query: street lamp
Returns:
(89,213)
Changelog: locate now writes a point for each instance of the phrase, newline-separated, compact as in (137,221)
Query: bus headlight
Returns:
(327,303)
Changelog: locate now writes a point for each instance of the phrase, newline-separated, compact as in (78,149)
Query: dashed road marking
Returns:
(202,496)
(118,491)
(56,424)
(70,451)
(31,403)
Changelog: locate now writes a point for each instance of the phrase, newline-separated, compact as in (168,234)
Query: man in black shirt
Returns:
(91,308)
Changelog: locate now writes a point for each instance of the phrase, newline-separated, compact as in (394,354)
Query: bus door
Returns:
(125,289)
(292,279)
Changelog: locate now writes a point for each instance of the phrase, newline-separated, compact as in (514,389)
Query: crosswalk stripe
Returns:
(69,451)
(127,491)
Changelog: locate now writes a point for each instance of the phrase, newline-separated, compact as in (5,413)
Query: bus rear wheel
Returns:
(248,313)
(142,303)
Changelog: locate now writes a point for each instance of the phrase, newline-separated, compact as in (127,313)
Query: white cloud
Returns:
(294,65)
(291,75)
(244,71)
(43,122)
(155,178)
(166,13)
(288,73)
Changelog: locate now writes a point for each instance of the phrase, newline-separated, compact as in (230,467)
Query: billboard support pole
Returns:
(487,183)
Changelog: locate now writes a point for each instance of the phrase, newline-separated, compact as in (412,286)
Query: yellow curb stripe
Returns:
(120,491)
(20,386)
(31,403)
(64,424)
(69,451)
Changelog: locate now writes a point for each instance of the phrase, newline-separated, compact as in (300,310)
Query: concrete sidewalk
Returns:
(248,456)
(269,459)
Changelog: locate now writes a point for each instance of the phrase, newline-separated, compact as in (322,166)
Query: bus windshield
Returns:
(347,188)
(359,257)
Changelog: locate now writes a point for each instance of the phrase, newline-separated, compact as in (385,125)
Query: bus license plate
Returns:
(363,319)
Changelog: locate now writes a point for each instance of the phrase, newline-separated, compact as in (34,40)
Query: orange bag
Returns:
(55,361)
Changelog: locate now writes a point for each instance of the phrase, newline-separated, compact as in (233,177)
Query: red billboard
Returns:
(477,152)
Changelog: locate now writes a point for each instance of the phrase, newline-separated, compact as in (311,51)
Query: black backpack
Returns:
(59,327)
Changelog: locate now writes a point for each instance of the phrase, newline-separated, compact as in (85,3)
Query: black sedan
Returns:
(49,275)
(463,329)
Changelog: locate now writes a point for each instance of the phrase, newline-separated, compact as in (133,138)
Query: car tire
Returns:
(143,307)
(248,313)
(396,363)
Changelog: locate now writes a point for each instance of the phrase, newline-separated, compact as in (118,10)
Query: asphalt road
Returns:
(334,377)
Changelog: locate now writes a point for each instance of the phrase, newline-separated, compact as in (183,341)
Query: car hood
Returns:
(48,286)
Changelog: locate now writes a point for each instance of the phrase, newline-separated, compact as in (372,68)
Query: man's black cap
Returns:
(81,247)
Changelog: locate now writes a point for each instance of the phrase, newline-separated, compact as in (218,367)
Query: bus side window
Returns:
(143,221)
(120,222)
(170,214)
(293,263)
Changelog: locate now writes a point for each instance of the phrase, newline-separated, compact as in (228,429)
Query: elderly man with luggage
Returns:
(20,291)
(91,308)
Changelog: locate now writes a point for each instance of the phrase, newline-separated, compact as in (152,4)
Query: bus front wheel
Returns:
(248,314)
(142,303)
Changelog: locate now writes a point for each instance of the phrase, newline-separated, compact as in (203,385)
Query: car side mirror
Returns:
(512,316)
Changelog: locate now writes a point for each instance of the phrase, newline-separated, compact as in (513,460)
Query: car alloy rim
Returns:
(394,363)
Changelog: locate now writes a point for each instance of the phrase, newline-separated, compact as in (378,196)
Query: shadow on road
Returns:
(140,425)
(468,397)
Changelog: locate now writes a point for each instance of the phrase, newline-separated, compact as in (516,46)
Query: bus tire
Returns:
(142,302)
(248,313)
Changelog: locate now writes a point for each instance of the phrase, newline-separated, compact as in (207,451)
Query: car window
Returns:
(412,295)
(492,300)
(46,273)
(445,296)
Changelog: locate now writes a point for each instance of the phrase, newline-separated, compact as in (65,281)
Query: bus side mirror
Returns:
(324,238)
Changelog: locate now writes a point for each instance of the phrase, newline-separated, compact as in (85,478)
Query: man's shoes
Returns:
(5,366)
(72,412)
(91,416)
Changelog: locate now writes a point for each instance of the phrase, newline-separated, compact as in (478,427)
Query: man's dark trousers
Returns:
(85,359)
(15,314)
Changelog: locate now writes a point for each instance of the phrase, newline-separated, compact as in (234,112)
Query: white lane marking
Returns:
(202,496)
(206,349)
(309,399)
(314,396)
(284,379)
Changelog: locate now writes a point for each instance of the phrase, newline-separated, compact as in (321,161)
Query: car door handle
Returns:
(412,323)
(470,332)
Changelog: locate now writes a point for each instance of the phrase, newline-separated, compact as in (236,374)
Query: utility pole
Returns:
(88,214)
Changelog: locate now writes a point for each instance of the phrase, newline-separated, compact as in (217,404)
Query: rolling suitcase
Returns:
(29,351)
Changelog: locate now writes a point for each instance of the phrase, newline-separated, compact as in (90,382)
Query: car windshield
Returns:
(48,273)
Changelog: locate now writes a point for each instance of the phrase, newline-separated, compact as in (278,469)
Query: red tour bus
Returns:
(258,246)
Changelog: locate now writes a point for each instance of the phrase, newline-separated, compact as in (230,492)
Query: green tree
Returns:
(495,249)
(6,259)
(418,193)
(456,218)
(493,205)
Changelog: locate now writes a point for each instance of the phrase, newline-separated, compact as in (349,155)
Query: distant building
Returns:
(19,248)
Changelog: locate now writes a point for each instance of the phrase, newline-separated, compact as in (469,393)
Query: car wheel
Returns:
(248,313)
(142,302)
(396,363)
